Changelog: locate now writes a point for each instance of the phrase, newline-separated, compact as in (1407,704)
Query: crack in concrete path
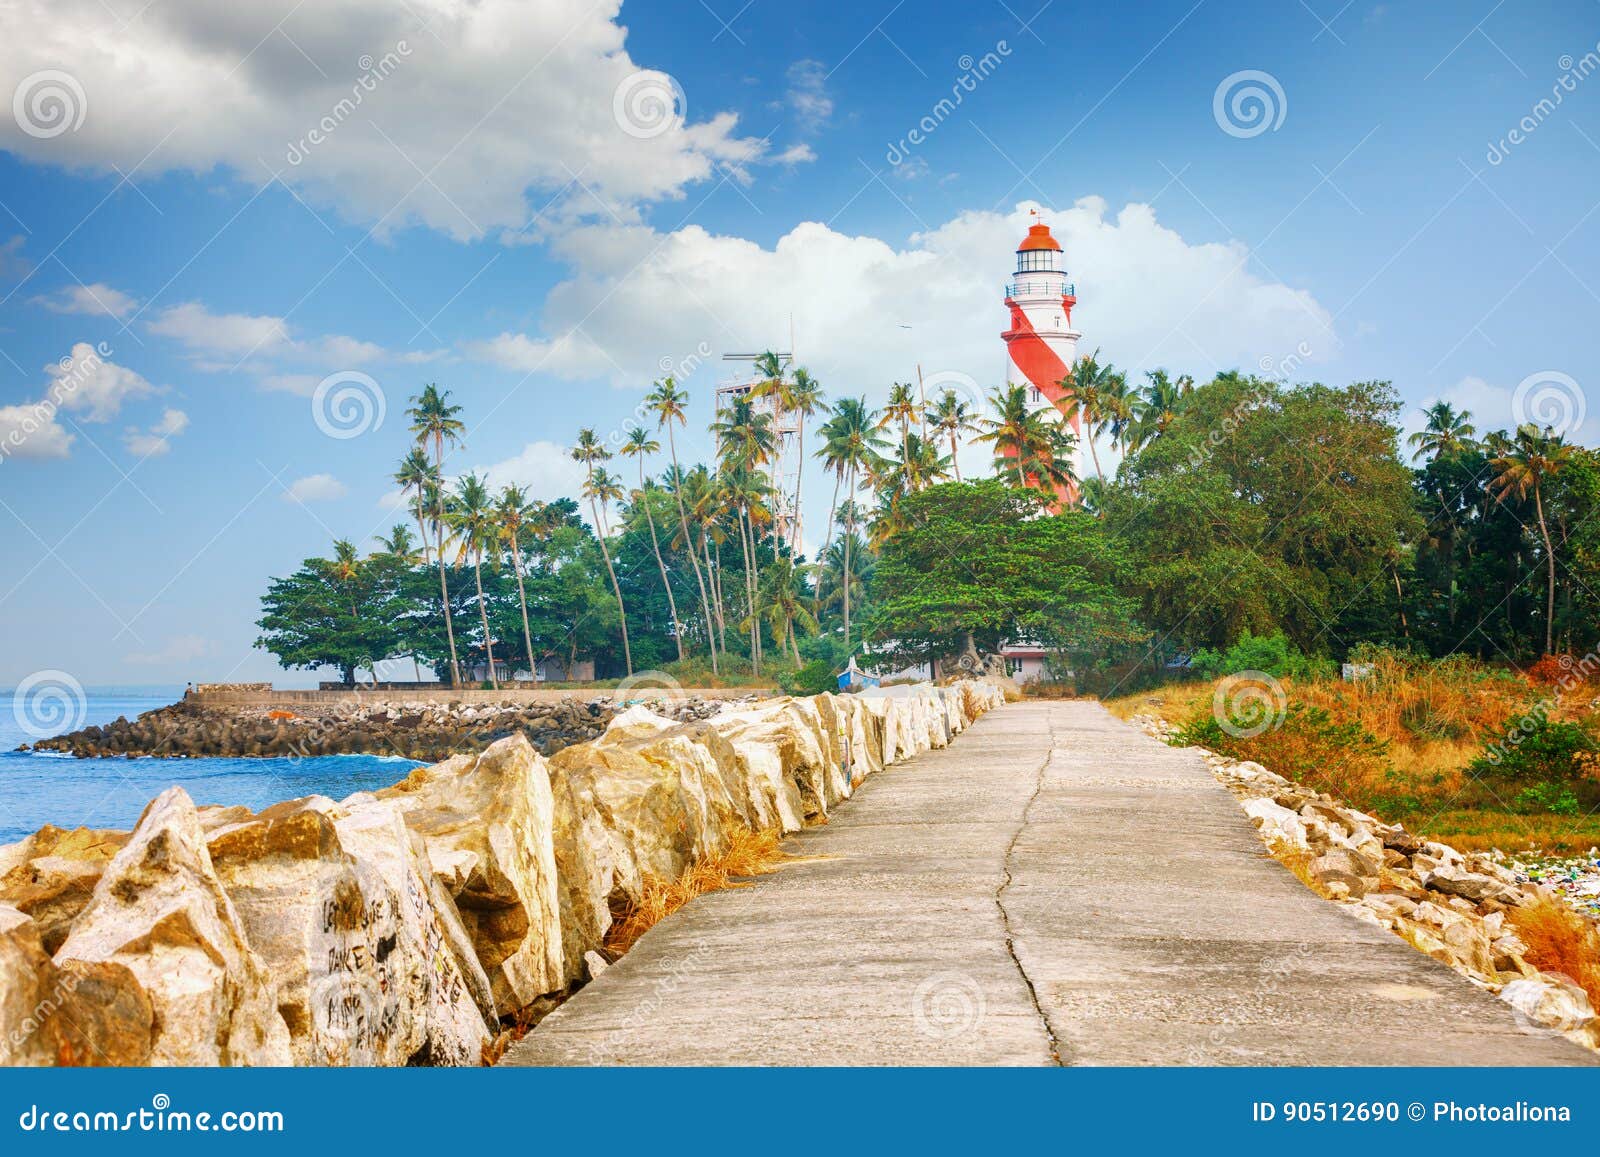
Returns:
(1005,884)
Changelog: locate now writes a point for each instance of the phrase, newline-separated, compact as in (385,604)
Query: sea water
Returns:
(54,788)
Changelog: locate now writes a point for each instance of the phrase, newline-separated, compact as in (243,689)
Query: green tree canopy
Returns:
(978,563)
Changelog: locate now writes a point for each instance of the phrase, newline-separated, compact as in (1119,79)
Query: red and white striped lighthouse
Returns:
(1041,344)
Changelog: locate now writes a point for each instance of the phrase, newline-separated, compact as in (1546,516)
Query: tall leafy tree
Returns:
(951,418)
(1534,457)
(472,514)
(599,488)
(515,516)
(639,445)
(669,404)
(851,448)
(1446,432)
(434,419)
(976,565)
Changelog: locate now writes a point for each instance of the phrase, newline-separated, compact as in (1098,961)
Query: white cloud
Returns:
(233,335)
(157,439)
(545,469)
(1146,297)
(796,155)
(86,381)
(94,300)
(30,430)
(808,96)
(500,101)
(180,649)
(315,488)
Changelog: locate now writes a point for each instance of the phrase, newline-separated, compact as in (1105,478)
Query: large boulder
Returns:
(52,874)
(488,822)
(160,910)
(331,903)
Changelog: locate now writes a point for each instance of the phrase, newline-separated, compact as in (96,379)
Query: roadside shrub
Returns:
(812,679)
(1307,745)
(1547,797)
(1541,750)
(1273,654)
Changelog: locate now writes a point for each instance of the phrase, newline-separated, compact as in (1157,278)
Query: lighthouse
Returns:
(1041,344)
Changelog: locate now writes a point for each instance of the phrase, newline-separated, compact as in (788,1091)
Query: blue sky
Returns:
(485,218)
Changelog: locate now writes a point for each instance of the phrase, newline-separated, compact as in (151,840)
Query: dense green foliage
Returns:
(975,564)
(1248,525)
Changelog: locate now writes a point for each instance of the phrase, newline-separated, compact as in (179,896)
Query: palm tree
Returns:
(952,417)
(637,445)
(704,499)
(1156,405)
(472,513)
(1032,450)
(839,561)
(667,402)
(414,475)
(806,398)
(1095,399)
(1445,433)
(400,547)
(851,445)
(902,407)
(515,514)
(745,444)
(598,487)
(1534,456)
(784,603)
(434,419)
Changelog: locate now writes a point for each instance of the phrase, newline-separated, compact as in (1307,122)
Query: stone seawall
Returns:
(282,724)
(402,926)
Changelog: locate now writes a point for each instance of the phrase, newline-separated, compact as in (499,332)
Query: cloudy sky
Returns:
(234,239)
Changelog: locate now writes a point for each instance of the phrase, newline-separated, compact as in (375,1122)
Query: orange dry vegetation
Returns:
(1561,940)
(748,854)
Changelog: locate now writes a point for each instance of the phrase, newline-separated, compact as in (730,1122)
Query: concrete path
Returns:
(1056,887)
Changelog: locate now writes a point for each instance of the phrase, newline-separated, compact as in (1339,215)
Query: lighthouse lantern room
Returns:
(1041,344)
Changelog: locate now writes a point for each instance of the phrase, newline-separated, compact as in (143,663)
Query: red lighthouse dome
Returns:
(1039,238)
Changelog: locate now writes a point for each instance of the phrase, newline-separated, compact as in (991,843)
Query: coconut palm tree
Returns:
(668,404)
(401,547)
(1157,405)
(471,512)
(951,418)
(783,600)
(1533,457)
(434,419)
(1094,400)
(637,445)
(1446,432)
(704,499)
(599,488)
(806,398)
(515,516)
(413,476)
(851,447)
(903,408)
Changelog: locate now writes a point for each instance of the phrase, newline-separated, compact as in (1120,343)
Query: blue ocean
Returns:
(110,793)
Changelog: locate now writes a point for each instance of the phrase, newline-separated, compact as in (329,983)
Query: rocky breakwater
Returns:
(414,729)
(1456,907)
(407,925)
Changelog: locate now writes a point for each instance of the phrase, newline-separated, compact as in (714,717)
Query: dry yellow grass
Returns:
(1430,721)
(1561,940)
(748,854)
